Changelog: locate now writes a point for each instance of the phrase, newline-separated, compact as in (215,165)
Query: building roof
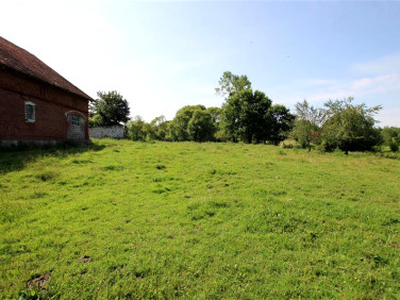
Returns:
(20,60)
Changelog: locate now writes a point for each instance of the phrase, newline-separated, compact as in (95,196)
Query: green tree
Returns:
(201,127)
(137,129)
(304,132)
(230,83)
(112,108)
(391,137)
(307,127)
(215,113)
(231,119)
(305,111)
(281,121)
(194,123)
(245,116)
(95,121)
(350,127)
(158,129)
(179,125)
(394,145)
(249,116)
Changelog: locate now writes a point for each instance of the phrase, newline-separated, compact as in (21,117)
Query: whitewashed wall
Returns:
(116,132)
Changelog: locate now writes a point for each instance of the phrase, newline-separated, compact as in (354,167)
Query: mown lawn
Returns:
(166,220)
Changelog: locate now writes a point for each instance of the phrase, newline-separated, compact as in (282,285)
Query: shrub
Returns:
(394,146)
(289,144)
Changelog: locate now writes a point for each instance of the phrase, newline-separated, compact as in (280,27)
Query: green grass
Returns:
(166,220)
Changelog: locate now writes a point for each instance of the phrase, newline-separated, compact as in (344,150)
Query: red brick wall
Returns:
(51,106)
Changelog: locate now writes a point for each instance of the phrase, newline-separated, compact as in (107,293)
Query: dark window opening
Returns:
(76,121)
(30,112)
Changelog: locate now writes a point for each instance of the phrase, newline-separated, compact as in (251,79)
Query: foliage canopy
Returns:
(340,124)
(111,108)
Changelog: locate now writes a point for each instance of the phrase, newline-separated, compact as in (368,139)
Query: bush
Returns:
(394,146)
(326,147)
(321,148)
(289,144)
(221,136)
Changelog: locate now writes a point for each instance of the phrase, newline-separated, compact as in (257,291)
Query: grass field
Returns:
(166,220)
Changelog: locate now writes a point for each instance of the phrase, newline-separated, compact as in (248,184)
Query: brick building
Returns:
(37,105)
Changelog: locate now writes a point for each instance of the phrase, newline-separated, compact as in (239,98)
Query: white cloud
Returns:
(389,117)
(370,85)
(383,65)
(361,83)
(357,87)
(377,81)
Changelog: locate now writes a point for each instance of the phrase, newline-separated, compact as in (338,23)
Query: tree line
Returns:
(249,116)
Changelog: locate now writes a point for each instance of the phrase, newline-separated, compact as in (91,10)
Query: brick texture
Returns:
(52,107)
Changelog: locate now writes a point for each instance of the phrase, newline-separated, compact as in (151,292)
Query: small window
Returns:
(29,112)
(76,121)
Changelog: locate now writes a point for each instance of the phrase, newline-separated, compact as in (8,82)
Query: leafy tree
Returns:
(304,132)
(257,118)
(391,137)
(201,127)
(230,83)
(231,118)
(194,123)
(307,127)
(179,126)
(112,108)
(159,129)
(245,116)
(281,123)
(350,127)
(394,145)
(95,121)
(137,129)
(172,132)
(249,116)
(215,113)
(305,111)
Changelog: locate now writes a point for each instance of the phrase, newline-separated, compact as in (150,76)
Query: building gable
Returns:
(20,60)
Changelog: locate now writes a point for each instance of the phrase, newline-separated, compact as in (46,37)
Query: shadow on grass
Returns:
(15,159)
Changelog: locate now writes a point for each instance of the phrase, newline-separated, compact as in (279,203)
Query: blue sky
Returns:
(163,55)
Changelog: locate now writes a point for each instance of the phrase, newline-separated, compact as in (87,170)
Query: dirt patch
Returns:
(38,282)
(85,259)
(395,245)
